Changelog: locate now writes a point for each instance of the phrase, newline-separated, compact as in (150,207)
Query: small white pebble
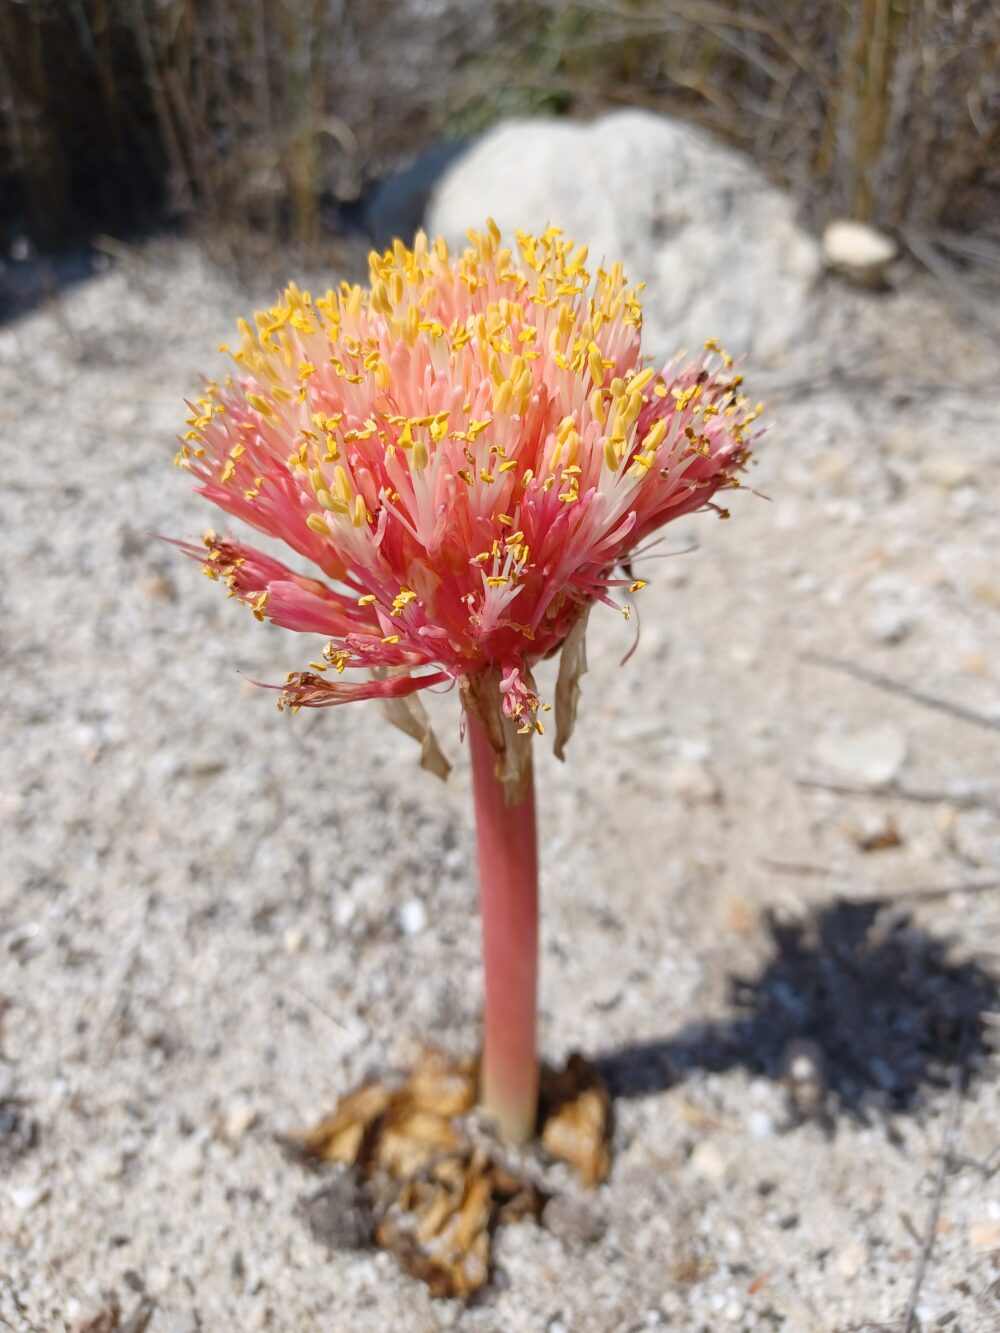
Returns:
(412,917)
(760,1125)
(293,939)
(708,1161)
(851,1259)
(25,1197)
(239,1119)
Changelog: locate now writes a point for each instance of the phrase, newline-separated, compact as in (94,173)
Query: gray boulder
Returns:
(716,243)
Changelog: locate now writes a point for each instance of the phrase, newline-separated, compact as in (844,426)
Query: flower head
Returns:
(466,453)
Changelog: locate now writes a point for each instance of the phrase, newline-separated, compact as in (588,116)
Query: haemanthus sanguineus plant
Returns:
(466,455)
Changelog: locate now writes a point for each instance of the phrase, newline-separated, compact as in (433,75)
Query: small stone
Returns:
(182,1323)
(187,1159)
(741,915)
(985,1235)
(412,917)
(26,1197)
(239,1119)
(692,782)
(947,471)
(887,625)
(344,912)
(158,589)
(851,1259)
(293,939)
(858,251)
(708,1161)
(106,1163)
(760,1125)
(572,1221)
(872,757)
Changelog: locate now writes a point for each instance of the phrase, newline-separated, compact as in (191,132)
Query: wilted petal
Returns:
(572,665)
(408,713)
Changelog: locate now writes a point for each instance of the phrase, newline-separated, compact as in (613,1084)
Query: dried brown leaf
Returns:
(442,1084)
(410,716)
(880,839)
(576,1118)
(340,1136)
(572,665)
(411,1137)
(440,1199)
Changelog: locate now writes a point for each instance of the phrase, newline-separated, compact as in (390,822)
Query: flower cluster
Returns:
(466,453)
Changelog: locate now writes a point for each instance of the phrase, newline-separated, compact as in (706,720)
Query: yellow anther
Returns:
(642,381)
(367,599)
(318,524)
(421,456)
(341,484)
(391,638)
(260,405)
(655,435)
(637,585)
(359,513)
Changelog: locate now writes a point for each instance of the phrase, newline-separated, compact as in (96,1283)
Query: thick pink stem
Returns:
(508,896)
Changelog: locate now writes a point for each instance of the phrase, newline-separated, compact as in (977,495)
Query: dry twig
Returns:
(891,686)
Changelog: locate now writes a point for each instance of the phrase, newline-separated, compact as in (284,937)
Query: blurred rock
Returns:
(674,205)
(708,1161)
(572,1221)
(858,251)
(851,1259)
(985,1235)
(949,471)
(412,917)
(872,757)
(692,782)
(886,624)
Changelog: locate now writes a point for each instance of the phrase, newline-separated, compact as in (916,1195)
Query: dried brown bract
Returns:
(576,1118)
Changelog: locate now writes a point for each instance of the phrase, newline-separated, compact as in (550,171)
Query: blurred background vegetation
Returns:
(269,123)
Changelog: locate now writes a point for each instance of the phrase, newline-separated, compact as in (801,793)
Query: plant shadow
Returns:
(859,1012)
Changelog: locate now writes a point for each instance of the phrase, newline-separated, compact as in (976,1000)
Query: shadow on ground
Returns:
(859,1011)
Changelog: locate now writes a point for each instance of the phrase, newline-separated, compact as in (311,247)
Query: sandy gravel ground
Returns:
(214,919)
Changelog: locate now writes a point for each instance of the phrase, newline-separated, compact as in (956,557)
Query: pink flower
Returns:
(466,454)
